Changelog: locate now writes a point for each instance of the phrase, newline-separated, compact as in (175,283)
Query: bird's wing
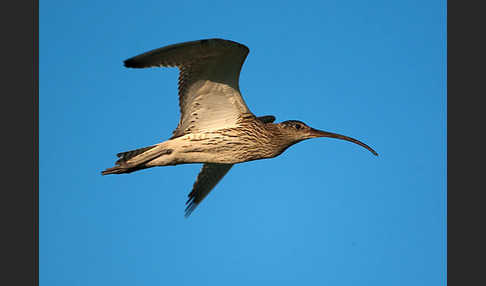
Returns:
(266,118)
(207,179)
(209,94)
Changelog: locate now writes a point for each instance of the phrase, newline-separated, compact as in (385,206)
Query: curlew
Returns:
(216,127)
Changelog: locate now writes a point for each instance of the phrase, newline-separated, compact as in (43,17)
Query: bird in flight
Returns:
(216,127)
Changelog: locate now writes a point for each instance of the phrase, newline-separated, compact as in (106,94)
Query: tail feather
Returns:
(122,170)
(113,170)
(123,165)
(125,156)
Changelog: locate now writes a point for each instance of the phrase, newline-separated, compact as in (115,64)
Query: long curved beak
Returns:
(314,133)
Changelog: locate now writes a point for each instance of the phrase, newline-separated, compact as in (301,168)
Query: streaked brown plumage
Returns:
(216,127)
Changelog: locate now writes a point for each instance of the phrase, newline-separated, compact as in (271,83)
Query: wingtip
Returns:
(130,63)
(190,206)
(189,210)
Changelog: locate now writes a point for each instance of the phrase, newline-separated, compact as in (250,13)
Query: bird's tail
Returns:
(139,157)
(119,170)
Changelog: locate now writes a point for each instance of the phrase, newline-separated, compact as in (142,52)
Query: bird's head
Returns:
(296,131)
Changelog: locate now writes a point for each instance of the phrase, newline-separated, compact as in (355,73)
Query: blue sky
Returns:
(326,212)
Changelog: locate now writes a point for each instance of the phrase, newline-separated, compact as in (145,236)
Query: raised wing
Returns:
(209,94)
(207,179)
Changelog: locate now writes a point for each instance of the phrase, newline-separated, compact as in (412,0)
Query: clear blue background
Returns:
(326,212)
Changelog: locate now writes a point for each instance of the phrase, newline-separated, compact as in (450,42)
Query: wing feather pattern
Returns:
(207,179)
(209,94)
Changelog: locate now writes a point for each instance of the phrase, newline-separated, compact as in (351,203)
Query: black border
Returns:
(19,21)
(466,78)
(35,26)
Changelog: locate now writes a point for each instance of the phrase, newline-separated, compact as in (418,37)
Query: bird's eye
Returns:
(297,126)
